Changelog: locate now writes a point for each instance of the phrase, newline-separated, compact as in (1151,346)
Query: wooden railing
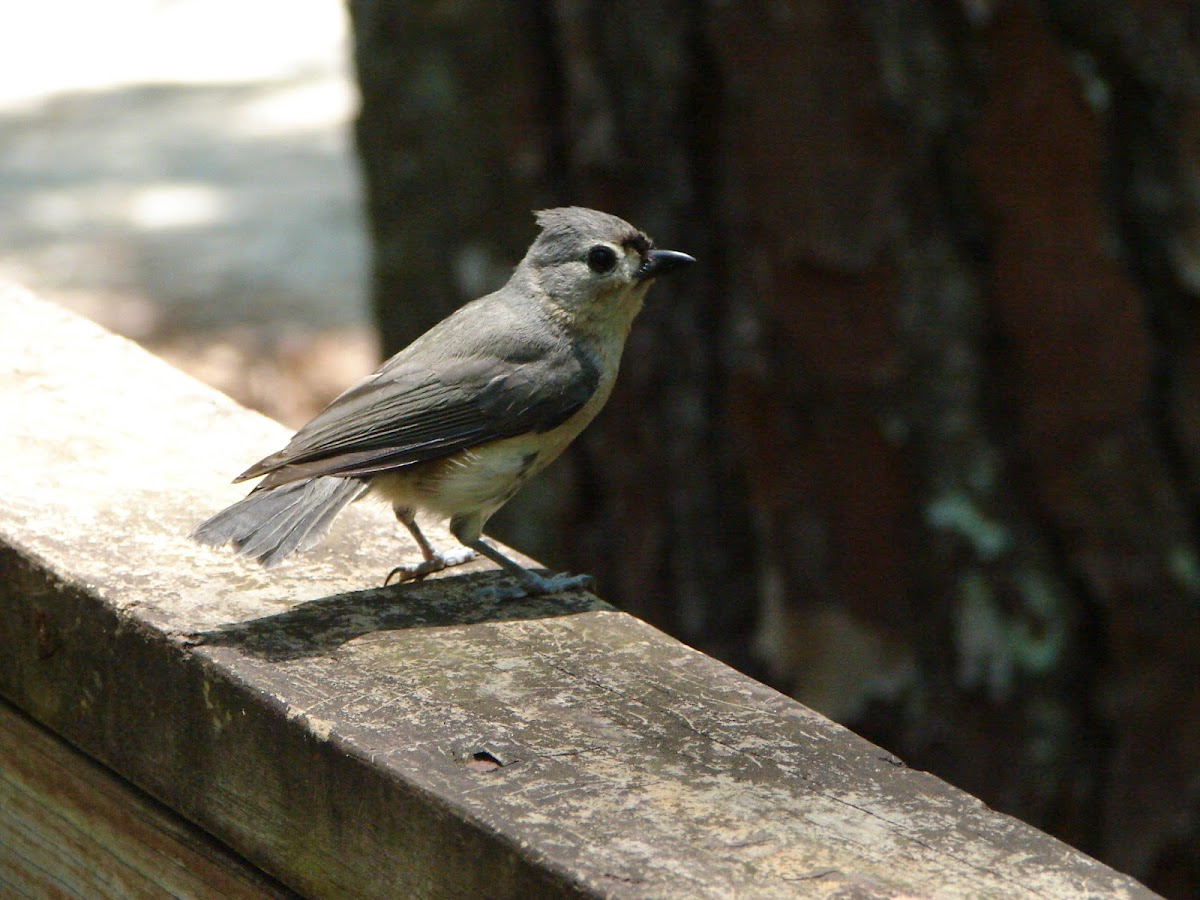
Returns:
(178,721)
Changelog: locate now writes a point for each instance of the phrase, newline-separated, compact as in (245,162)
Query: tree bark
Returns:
(919,439)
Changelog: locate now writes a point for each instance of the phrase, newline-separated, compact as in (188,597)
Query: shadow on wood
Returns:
(321,626)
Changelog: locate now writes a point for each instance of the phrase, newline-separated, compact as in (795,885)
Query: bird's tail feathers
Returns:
(270,525)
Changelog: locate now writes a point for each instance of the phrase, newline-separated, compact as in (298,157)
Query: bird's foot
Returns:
(531,584)
(434,563)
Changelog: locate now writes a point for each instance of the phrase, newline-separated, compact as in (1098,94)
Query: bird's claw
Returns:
(435,563)
(534,585)
(563,582)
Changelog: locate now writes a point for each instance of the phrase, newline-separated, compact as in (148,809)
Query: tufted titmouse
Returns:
(459,420)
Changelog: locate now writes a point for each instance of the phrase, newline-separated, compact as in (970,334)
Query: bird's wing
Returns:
(406,413)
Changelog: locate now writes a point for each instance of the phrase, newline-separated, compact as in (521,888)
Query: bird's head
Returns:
(594,266)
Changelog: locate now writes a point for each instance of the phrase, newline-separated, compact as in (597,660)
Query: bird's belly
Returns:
(481,477)
(477,479)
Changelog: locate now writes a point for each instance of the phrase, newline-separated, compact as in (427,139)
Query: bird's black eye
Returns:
(601,259)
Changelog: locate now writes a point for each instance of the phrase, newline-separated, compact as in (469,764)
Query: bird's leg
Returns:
(434,560)
(532,583)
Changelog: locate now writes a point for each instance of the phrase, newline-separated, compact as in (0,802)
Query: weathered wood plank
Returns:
(71,828)
(418,740)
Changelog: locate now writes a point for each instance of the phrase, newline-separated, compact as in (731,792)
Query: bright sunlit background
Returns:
(182,172)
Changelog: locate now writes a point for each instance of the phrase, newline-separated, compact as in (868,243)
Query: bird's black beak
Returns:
(660,262)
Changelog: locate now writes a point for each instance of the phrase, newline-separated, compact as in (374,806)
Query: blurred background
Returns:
(182,172)
(918,439)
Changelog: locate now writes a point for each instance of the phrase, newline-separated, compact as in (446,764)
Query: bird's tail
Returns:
(273,523)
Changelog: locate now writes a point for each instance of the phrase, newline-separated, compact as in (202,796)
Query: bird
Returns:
(459,420)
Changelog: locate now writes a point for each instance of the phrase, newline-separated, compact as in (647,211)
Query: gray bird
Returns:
(459,420)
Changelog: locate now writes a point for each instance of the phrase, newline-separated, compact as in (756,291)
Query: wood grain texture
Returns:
(418,740)
(69,828)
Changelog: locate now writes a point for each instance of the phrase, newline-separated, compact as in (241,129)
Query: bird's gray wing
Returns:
(407,413)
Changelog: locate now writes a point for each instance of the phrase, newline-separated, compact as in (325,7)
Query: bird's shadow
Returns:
(318,627)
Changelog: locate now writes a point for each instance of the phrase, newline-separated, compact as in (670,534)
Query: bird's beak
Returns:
(660,262)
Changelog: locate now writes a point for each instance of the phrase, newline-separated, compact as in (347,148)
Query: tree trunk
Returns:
(918,440)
